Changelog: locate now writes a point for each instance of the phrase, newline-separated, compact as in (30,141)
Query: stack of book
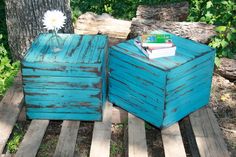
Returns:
(156,45)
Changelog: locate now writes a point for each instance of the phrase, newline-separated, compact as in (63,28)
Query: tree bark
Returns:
(196,31)
(227,69)
(24,22)
(166,12)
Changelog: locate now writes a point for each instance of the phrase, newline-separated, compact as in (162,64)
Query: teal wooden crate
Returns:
(163,90)
(70,84)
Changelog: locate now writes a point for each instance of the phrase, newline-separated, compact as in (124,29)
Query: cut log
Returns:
(196,31)
(227,69)
(167,12)
(91,23)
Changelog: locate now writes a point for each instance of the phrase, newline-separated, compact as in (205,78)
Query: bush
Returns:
(223,15)
(119,9)
(8,69)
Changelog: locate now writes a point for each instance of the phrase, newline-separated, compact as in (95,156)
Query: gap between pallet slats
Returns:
(100,146)
(32,139)
(172,141)
(136,137)
(10,107)
(67,139)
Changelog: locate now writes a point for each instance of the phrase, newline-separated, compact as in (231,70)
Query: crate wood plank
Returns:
(172,141)
(10,107)
(84,44)
(100,146)
(32,139)
(67,139)
(208,135)
(136,136)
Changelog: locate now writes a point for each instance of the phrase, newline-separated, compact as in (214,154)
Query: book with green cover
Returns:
(156,39)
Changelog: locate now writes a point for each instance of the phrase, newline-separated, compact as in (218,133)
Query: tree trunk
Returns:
(24,22)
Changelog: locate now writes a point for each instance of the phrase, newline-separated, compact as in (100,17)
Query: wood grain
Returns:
(172,141)
(136,137)
(32,139)
(208,135)
(67,139)
(10,107)
(100,146)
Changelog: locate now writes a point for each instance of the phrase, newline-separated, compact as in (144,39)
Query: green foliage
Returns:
(221,13)
(119,9)
(15,139)
(116,148)
(7,69)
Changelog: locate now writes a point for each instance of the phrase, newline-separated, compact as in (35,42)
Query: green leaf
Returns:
(217,61)
(209,4)
(221,28)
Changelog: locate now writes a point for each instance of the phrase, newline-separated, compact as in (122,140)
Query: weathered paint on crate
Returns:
(164,90)
(70,84)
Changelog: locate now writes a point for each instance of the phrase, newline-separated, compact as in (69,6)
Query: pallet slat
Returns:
(207,133)
(10,107)
(172,141)
(32,139)
(137,137)
(100,146)
(67,139)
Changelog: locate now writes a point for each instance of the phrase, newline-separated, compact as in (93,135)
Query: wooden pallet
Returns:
(204,135)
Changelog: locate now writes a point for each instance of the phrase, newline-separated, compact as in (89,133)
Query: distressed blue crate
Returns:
(70,84)
(163,90)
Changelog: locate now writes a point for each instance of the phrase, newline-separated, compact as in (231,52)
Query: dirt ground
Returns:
(223,103)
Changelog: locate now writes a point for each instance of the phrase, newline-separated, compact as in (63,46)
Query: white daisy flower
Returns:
(53,20)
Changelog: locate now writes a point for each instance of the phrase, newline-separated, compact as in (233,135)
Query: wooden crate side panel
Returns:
(186,108)
(188,88)
(187,67)
(63,103)
(136,82)
(104,58)
(62,95)
(202,67)
(134,109)
(45,69)
(188,95)
(51,82)
(142,93)
(144,106)
(65,109)
(141,100)
(143,74)
(64,116)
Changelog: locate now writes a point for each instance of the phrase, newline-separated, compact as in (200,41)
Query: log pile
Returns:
(91,23)
(227,69)
(167,12)
(197,31)
(170,18)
